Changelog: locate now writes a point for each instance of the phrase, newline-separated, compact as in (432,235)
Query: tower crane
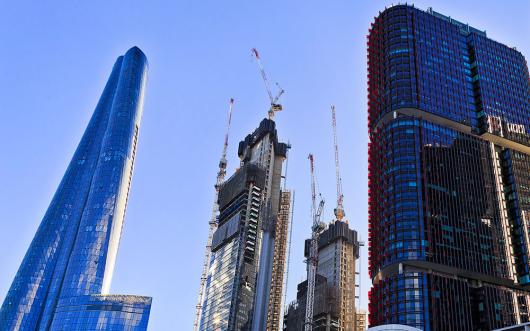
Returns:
(275,105)
(312,261)
(213,220)
(339,210)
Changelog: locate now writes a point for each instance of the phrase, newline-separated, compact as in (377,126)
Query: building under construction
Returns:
(360,320)
(334,298)
(243,279)
(244,285)
(326,301)
(325,308)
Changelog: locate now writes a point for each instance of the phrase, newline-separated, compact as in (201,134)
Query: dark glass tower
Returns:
(64,279)
(449,174)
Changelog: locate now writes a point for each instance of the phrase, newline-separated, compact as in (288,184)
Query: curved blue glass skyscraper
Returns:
(64,279)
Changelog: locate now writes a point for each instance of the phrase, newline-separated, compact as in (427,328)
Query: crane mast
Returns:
(213,220)
(275,105)
(339,210)
(312,261)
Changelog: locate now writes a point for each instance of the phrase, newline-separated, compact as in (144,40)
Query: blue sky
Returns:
(56,57)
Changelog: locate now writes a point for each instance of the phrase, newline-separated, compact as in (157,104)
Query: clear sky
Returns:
(56,57)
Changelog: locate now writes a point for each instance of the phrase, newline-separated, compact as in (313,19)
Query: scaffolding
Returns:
(279,265)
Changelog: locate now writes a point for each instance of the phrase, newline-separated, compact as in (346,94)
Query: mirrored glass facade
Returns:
(102,312)
(449,174)
(71,258)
